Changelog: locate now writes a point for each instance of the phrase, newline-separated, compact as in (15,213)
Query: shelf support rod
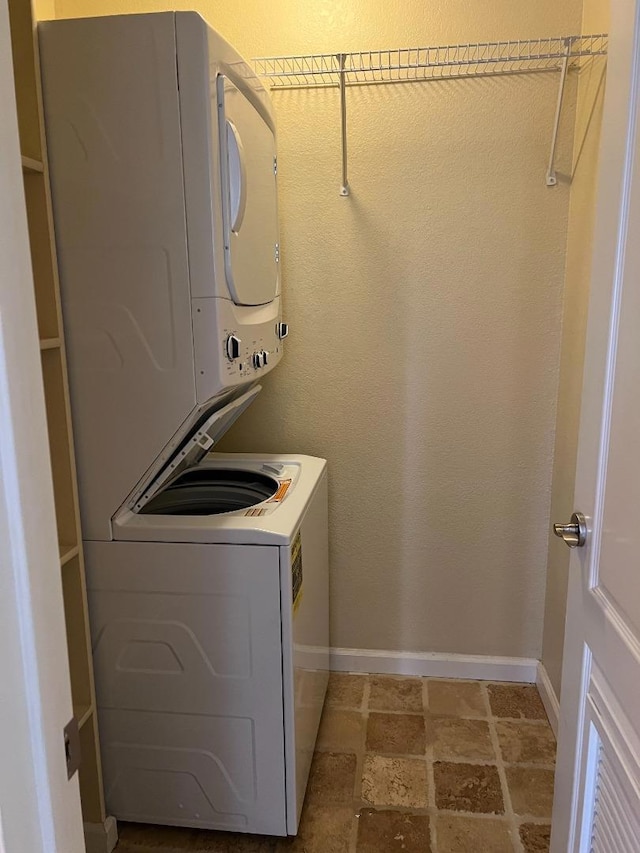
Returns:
(344,188)
(552,179)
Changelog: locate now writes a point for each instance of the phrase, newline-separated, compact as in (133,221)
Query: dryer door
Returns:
(249,205)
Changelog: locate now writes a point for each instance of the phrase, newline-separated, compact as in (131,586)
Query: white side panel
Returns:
(187,654)
(113,130)
(305,647)
(200,158)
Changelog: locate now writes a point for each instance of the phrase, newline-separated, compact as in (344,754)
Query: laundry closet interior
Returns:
(435,225)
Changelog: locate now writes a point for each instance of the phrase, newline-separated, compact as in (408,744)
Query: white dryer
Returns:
(162,152)
(207,575)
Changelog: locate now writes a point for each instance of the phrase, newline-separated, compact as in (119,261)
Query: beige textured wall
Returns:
(44,9)
(576,298)
(425,314)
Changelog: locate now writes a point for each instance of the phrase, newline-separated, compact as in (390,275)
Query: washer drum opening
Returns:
(203,491)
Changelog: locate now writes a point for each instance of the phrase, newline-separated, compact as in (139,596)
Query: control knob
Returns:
(257,360)
(282,330)
(233,347)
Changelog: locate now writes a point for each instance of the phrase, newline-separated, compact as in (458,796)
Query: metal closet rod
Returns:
(423,64)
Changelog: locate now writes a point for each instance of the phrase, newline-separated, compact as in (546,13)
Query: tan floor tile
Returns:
(389,831)
(531,790)
(341,731)
(331,779)
(468,788)
(141,836)
(516,700)
(456,698)
(231,842)
(323,829)
(345,690)
(525,742)
(396,733)
(472,835)
(452,737)
(535,837)
(389,693)
(394,781)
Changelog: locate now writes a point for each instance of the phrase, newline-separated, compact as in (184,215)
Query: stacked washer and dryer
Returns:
(207,574)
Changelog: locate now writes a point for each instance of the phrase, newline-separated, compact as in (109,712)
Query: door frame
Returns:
(40,807)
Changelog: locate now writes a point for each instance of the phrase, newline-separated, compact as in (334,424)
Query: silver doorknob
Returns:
(575,533)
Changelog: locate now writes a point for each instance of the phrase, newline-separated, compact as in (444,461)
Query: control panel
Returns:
(241,359)
(246,357)
(234,345)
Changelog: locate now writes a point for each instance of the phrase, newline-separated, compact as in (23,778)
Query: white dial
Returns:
(232,347)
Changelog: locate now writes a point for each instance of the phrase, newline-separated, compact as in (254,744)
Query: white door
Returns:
(597,803)
(39,807)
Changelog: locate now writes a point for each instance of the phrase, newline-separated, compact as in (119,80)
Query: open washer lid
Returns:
(194,448)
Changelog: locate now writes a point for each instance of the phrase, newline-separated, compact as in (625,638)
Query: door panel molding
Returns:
(611,820)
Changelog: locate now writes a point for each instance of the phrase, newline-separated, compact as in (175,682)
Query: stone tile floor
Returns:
(417,765)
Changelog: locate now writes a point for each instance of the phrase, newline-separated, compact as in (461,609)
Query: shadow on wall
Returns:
(595,69)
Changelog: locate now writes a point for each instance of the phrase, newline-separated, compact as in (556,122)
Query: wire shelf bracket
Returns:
(423,64)
(344,187)
(552,178)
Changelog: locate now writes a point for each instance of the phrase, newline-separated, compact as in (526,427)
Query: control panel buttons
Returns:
(233,347)
(282,330)
(260,359)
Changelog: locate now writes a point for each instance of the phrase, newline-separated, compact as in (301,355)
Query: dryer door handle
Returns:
(237,174)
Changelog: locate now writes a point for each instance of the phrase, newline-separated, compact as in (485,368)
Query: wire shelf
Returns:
(408,65)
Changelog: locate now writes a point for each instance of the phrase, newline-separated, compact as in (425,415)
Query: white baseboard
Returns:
(549,698)
(480,667)
(101,837)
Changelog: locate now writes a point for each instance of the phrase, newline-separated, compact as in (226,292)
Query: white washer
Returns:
(207,575)
(210,638)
